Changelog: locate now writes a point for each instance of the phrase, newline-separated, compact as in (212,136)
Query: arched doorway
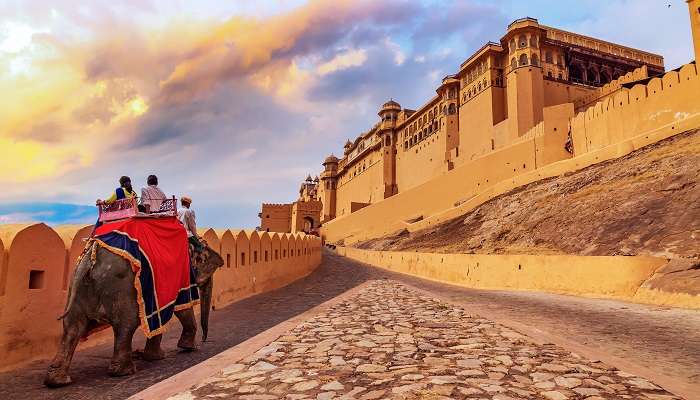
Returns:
(308,224)
(575,73)
(593,77)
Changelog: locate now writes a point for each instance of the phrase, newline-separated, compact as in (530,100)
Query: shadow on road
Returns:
(228,327)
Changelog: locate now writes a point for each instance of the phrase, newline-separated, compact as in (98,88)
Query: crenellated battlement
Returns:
(37,262)
(661,101)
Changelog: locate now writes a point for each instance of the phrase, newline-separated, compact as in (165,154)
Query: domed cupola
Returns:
(331,160)
(390,105)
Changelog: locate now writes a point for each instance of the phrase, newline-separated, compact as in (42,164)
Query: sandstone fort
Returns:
(530,231)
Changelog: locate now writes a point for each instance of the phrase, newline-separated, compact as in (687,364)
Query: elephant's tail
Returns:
(85,263)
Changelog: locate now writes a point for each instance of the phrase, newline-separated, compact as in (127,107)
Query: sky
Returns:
(234,102)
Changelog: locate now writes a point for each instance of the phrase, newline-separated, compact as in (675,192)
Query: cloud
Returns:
(348,59)
(228,102)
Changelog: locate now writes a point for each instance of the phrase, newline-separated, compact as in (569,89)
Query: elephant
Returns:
(102,292)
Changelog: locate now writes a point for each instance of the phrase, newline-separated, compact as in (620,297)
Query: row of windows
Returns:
(424,133)
(523,60)
(423,120)
(522,43)
(478,88)
(390,117)
(358,169)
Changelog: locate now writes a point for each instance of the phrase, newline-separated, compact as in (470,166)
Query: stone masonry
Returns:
(390,342)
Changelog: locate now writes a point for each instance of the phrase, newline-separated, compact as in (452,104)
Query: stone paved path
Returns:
(664,340)
(390,342)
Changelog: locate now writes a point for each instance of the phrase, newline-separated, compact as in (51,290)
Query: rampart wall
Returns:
(36,263)
(606,90)
(612,128)
(617,277)
(662,101)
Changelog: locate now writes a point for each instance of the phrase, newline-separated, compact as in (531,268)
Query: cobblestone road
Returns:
(389,342)
(664,340)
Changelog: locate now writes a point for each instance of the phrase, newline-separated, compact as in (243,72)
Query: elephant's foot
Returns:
(189,329)
(187,341)
(152,350)
(152,354)
(122,368)
(57,377)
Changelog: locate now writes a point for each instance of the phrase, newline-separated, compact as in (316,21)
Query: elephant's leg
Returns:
(73,329)
(122,363)
(189,329)
(152,351)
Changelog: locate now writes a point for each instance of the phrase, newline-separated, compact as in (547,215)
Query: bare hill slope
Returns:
(647,202)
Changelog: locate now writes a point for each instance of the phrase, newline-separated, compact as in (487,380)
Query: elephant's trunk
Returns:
(205,293)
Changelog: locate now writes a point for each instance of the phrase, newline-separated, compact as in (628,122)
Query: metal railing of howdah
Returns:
(128,208)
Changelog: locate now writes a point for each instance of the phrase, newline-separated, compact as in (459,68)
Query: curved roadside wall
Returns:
(624,278)
(37,261)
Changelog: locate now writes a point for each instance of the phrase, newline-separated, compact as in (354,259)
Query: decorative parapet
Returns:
(663,101)
(37,263)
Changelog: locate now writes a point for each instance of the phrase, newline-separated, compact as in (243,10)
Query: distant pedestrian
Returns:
(188,219)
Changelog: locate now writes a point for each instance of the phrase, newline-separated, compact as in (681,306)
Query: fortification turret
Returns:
(329,182)
(389,113)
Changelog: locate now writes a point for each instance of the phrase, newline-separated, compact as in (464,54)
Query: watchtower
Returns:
(329,181)
(389,115)
(524,78)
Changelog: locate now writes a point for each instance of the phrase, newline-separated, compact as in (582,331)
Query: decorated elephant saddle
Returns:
(158,251)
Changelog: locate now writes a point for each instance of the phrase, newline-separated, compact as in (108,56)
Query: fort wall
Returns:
(612,128)
(664,100)
(276,217)
(429,154)
(364,185)
(37,262)
(626,278)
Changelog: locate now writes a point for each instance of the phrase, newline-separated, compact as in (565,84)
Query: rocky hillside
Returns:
(645,203)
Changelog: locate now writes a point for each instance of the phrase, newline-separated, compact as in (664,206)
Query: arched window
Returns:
(387,140)
(479,86)
(511,47)
(522,41)
(549,74)
(593,75)
(575,73)
(513,63)
(533,41)
(535,60)
(523,59)
(452,109)
(548,57)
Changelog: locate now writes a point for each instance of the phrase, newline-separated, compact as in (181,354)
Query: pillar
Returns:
(694,9)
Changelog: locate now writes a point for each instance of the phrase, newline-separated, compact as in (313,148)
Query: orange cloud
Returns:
(73,99)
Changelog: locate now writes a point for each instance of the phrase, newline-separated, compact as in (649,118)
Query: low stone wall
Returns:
(36,263)
(624,278)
